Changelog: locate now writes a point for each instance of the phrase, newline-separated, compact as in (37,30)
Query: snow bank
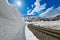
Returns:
(11,23)
(29,34)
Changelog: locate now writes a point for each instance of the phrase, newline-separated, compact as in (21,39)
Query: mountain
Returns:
(58,16)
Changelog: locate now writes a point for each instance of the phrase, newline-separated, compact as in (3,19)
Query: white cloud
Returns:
(32,5)
(28,12)
(37,8)
(50,12)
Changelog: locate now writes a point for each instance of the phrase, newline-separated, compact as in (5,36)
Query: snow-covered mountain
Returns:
(30,18)
(58,16)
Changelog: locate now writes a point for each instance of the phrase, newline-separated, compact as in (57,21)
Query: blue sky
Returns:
(40,8)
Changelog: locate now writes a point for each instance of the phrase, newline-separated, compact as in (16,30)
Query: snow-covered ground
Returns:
(47,24)
(29,35)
